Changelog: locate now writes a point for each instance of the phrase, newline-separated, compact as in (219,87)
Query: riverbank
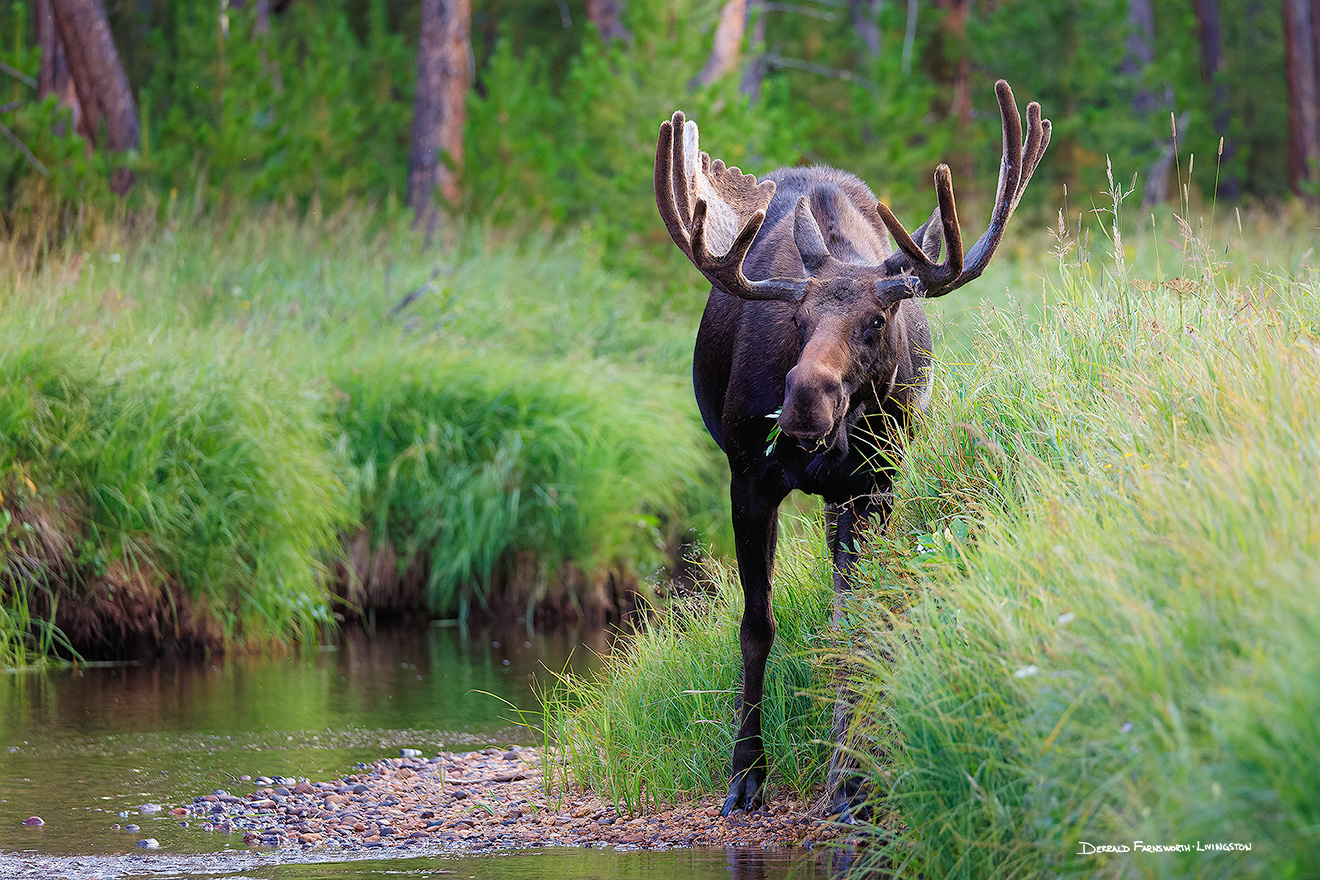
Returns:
(483,800)
(208,441)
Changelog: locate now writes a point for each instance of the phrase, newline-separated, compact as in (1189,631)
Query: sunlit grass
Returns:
(1106,556)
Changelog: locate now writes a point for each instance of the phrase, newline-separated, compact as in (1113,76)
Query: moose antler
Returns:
(930,279)
(706,205)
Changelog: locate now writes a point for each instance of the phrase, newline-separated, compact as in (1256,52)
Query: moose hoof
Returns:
(744,792)
(850,803)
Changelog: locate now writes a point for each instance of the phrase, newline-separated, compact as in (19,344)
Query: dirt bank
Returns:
(491,799)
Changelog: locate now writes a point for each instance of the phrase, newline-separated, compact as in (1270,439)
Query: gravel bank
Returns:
(472,801)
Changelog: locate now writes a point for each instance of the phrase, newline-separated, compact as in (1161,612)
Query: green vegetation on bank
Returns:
(1093,615)
(653,727)
(204,430)
(1123,650)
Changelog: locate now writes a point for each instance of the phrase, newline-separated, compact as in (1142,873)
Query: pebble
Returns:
(409,753)
(481,800)
(34,821)
(149,843)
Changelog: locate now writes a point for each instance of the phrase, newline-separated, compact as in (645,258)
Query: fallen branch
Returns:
(23,148)
(415,294)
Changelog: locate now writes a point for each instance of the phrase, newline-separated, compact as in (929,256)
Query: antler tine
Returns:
(695,194)
(1015,170)
(931,274)
(1038,138)
(1013,178)
(664,183)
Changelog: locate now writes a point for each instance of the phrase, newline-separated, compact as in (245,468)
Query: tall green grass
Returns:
(463,456)
(1093,614)
(183,463)
(1107,556)
(218,402)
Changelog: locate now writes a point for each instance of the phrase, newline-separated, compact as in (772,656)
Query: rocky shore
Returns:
(474,801)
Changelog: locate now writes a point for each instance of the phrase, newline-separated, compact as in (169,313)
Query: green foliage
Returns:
(315,107)
(577,146)
(1098,582)
(561,128)
(656,724)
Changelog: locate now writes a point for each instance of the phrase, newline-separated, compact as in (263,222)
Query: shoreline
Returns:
(478,801)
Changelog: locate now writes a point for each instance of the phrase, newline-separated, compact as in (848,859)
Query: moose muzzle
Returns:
(814,403)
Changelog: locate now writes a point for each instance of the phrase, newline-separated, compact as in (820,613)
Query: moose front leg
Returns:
(844,526)
(755,530)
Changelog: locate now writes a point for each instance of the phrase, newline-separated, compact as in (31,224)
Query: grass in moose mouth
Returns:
(775,432)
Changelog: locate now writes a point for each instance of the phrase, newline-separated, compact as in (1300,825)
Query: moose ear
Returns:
(806,235)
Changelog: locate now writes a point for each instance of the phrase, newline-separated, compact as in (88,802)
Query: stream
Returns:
(87,749)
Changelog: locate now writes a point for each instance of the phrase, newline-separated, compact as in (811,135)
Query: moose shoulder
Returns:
(813,321)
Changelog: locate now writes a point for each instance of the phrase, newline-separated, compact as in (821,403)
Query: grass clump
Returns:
(178,472)
(464,458)
(656,724)
(1106,556)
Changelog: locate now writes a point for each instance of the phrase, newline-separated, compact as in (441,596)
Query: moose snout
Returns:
(814,401)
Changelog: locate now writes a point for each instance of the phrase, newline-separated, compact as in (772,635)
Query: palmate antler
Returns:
(929,279)
(714,212)
(712,209)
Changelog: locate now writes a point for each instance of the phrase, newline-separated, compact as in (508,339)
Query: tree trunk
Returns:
(866,21)
(1301,38)
(98,76)
(1212,69)
(53,78)
(440,109)
(754,73)
(1140,53)
(729,34)
(607,16)
(954,51)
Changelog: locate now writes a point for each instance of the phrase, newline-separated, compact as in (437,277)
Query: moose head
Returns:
(814,320)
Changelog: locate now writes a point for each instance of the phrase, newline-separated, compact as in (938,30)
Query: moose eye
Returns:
(877,322)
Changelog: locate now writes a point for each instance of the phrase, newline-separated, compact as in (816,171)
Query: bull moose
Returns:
(813,321)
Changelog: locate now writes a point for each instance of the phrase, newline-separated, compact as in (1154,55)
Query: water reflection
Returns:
(79,746)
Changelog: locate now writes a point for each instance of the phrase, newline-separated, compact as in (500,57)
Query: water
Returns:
(79,747)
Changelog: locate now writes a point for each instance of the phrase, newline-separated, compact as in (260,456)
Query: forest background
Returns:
(545,111)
